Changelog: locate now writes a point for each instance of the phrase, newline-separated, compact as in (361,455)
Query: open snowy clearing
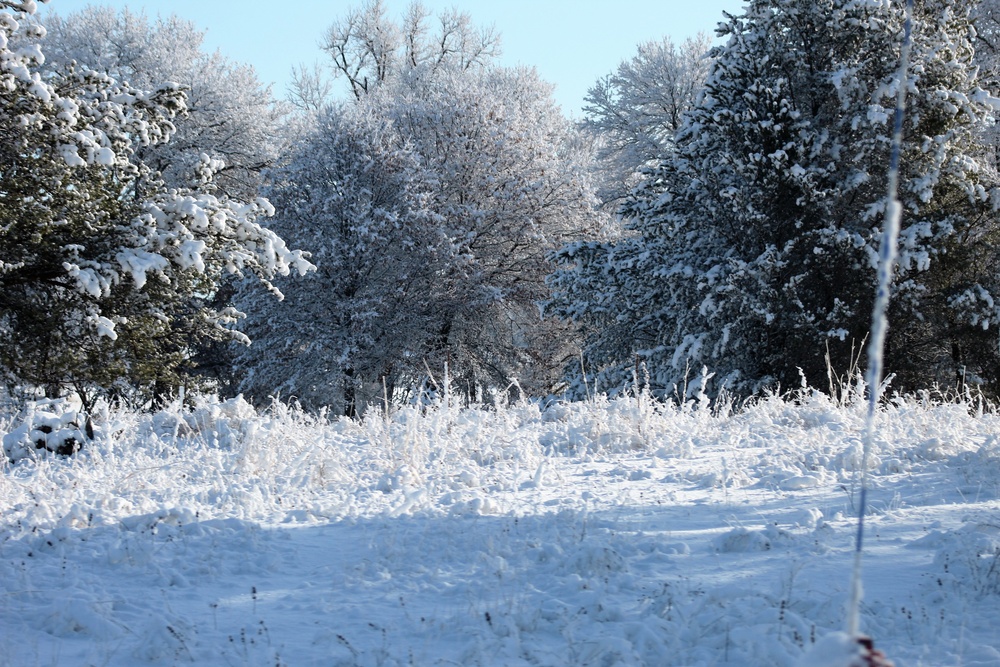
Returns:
(597,533)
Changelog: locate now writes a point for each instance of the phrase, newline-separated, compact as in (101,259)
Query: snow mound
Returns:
(51,425)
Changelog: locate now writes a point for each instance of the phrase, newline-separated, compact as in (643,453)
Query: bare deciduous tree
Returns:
(367,47)
(636,111)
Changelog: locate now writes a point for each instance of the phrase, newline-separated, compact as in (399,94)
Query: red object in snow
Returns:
(871,656)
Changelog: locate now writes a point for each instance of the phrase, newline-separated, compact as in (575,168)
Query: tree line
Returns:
(414,213)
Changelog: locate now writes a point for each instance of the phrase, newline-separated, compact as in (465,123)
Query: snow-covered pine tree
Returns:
(986,17)
(753,249)
(230,115)
(104,270)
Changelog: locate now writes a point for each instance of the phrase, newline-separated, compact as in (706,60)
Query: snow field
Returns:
(607,532)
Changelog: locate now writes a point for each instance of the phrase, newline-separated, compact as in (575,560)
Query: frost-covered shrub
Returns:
(222,423)
(47,426)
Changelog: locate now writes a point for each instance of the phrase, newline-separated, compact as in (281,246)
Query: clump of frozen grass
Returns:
(219,459)
(626,423)
(226,459)
(413,444)
(634,420)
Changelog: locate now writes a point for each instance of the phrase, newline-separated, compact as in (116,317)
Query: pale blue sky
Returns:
(572,43)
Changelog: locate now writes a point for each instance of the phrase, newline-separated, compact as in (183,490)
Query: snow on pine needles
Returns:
(604,532)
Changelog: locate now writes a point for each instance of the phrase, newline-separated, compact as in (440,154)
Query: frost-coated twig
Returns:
(876,344)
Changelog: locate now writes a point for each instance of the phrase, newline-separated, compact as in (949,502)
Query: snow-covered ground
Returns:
(596,533)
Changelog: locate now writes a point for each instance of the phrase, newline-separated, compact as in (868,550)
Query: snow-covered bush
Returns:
(52,425)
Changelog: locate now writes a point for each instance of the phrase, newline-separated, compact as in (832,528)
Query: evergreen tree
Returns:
(230,116)
(104,270)
(754,247)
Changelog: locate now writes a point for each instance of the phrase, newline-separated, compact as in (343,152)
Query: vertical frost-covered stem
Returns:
(876,342)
